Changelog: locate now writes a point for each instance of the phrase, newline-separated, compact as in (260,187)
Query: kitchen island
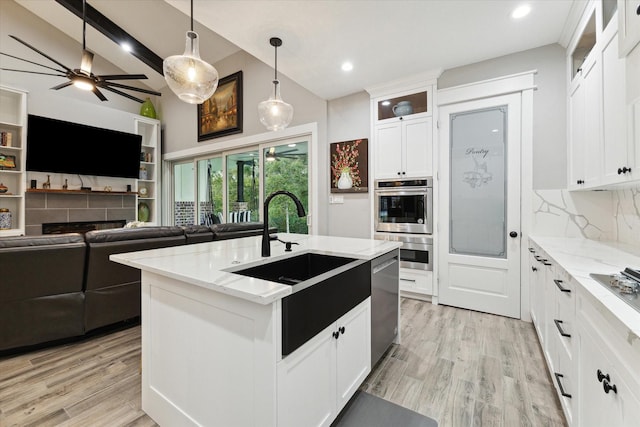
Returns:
(212,339)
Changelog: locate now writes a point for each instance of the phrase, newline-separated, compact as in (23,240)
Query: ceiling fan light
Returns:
(189,77)
(83,83)
(274,113)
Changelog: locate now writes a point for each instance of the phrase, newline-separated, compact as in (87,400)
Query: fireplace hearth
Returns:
(80,226)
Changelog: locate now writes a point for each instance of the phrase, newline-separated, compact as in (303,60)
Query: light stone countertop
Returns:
(203,264)
(580,257)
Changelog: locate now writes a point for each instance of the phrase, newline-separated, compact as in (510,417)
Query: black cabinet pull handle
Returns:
(623,169)
(544,261)
(562,392)
(533,251)
(580,181)
(602,376)
(607,387)
(559,285)
(341,329)
(534,269)
(563,333)
(638,10)
(336,334)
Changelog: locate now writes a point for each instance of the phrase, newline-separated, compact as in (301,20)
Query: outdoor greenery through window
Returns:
(286,168)
(227,187)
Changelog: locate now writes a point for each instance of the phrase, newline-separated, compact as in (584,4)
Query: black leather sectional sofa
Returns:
(61,286)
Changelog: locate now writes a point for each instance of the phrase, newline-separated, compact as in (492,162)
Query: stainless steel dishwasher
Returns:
(385,279)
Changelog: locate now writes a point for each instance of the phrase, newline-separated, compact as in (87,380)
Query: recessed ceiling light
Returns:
(521,11)
(347,66)
(126,47)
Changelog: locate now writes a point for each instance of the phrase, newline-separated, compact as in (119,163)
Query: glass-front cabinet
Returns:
(13,115)
(403,132)
(403,105)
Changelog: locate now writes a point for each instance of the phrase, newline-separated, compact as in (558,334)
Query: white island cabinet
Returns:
(212,339)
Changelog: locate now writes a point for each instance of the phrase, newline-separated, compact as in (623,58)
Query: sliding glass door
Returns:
(286,168)
(232,186)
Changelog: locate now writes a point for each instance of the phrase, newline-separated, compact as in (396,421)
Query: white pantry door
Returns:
(479,264)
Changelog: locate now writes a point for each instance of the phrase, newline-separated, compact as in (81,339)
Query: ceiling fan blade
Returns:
(111,84)
(87,62)
(99,94)
(40,52)
(124,77)
(33,72)
(126,95)
(31,62)
(62,85)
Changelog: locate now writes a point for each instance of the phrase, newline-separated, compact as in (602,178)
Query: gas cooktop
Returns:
(626,285)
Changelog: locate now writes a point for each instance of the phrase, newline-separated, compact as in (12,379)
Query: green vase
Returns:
(147,110)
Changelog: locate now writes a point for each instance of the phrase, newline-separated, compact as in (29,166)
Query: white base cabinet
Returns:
(608,377)
(215,360)
(317,380)
(413,281)
(586,348)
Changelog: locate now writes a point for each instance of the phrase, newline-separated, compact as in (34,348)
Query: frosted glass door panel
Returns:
(478,186)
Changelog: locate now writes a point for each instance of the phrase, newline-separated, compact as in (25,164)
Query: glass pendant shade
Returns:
(274,113)
(188,76)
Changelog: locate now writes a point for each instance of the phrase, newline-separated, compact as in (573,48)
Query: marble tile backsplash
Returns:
(626,215)
(612,215)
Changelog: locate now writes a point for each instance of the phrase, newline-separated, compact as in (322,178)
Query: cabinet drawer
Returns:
(620,344)
(412,280)
(566,385)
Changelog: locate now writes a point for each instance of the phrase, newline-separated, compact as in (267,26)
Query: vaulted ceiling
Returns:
(384,40)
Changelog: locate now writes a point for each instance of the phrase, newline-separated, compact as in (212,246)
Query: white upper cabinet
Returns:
(602,144)
(402,130)
(629,25)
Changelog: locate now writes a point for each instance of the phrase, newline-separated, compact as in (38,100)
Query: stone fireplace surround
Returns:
(81,207)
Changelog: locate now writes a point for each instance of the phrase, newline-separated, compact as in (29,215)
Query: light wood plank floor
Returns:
(459,367)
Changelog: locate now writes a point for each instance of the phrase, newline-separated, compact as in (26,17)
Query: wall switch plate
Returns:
(336,199)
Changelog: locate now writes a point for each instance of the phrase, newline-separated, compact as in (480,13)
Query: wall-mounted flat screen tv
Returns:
(64,147)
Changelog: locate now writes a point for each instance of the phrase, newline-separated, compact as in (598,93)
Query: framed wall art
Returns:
(349,166)
(221,114)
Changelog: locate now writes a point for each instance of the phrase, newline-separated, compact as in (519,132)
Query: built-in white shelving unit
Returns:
(13,117)
(148,186)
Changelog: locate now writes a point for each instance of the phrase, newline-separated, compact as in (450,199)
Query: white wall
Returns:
(68,104)
(549,105)
(349,119)
(180,119)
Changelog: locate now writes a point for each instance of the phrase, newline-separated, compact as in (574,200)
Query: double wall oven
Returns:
(404,212)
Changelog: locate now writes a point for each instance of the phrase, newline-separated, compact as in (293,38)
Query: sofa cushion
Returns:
(234,230)
(123,234)
(197,233)
(37,266)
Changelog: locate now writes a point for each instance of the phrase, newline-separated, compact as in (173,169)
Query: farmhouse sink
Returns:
(297,269)
(324,287)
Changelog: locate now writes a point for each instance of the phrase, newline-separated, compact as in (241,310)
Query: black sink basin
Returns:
(294,270)
(324,287)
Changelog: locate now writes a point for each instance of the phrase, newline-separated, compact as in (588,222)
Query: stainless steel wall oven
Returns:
(416,251)
(404,206)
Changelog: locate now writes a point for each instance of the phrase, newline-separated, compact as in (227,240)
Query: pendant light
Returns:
(274,113)
(188,76)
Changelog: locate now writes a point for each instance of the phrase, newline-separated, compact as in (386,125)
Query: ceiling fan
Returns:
(82,77)
(272,155)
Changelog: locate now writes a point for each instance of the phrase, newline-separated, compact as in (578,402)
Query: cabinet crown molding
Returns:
(414,81)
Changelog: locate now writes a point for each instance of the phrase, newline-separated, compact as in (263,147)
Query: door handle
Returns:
(513,234)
